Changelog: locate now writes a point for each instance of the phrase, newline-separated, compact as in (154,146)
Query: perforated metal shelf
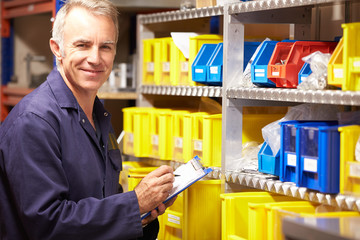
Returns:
(294,95)
(269,183)
(181,15)
(260,5)
(189,91)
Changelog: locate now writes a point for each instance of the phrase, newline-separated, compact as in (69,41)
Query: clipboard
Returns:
(188,174)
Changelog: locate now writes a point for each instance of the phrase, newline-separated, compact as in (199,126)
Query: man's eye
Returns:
(106,47)
(80,45)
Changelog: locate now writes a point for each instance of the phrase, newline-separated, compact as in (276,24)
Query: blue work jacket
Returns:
(57,180)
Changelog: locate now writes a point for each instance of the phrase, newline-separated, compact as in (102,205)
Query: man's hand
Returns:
(153,189)
(158,211)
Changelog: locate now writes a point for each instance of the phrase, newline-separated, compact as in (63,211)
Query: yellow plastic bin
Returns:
(178,134)
(126,165)
(136,175)
(349,166)
(179,67)
(162,61)
(212,140)
(172,221)
(258,217)
(235,211)
(142,137)
(202,210)
(148,61)
(128,139)
(274,226)
(195,45)
(336,66)
(191,123)
(253,123)
(155,131)
(351,56)
(165,135)
(310,216)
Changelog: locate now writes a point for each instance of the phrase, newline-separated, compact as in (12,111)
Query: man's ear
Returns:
(55,48)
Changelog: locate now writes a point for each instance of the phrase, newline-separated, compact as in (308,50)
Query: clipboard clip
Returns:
(195,162)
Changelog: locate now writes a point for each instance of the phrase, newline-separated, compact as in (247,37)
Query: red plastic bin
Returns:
(286,60)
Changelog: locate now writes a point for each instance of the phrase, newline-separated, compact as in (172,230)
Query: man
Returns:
(59,161)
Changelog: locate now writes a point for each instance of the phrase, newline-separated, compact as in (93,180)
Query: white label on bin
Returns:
(338,73)
(173,219)
(356,64)
(131,137)
(276,73)
(173,216)
(291,159)
(155,139)
(166,67)
(199,70)
(310,221)
(184,66)
(260,70)
(214,70)
(310,165)
(354,170)
(198,145)
(150,67)
(259,74)
(178,142)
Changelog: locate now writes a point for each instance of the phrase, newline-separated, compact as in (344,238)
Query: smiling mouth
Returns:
(93,71)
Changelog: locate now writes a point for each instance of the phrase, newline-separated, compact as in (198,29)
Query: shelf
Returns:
(188,91)
(181,15)
(254,6)
(117,95)
(294,95)
(271,184)
(143,5)
(13,95)
(18,8)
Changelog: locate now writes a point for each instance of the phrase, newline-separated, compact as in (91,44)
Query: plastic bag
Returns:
(318,78)
(271,132)
(249,157)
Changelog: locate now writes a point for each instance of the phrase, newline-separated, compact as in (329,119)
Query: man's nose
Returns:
(94,56)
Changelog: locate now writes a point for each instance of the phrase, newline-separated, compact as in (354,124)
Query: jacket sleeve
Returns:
(40,187)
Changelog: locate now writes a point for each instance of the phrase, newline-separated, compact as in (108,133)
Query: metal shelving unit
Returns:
(181,15)
(337,97)
(189,91)
(234,98)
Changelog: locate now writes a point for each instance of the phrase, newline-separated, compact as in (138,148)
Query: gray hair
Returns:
(95,7)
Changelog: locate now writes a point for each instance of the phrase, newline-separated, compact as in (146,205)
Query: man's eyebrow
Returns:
(109,42)
(80,40)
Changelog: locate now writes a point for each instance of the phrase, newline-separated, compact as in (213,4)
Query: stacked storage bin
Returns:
(235,217)
(349,165)
(310,154)
(192,211)
(208,64)
(310,212)
(285,62)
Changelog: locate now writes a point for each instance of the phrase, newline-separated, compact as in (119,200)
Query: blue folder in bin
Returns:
(215,66)
(304,72)
(308,154)
(260,64)
(319,156)
(267,161)
(199,66)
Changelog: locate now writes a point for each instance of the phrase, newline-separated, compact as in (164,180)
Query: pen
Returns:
(142,176)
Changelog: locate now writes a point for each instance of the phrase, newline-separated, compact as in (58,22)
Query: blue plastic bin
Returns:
(260,64)
(268,163)
(215,66)
(249,50)
(288,158)
(319,157)
(199,66)
(305,71)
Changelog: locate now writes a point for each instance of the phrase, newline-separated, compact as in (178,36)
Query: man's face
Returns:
(89,50)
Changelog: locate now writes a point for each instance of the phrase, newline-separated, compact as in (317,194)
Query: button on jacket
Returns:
(57,180)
